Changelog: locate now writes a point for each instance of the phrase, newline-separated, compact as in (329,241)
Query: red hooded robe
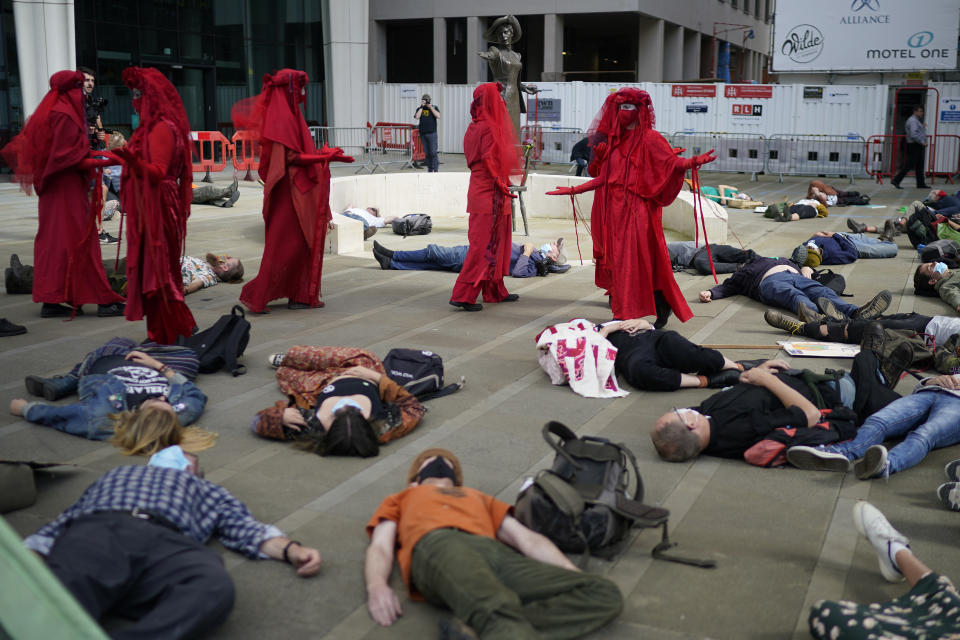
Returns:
(52,155)
(296,193)
(491,150)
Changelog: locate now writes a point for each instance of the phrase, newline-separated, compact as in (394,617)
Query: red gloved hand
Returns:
(600,151)
(561,191)
(678,151)
(335,154)
(504,188)
(703,158)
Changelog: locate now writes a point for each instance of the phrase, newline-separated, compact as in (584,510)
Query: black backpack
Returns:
(219,346)
(590,498)
(412,224)
(831,280)
(945,250)
(419,372)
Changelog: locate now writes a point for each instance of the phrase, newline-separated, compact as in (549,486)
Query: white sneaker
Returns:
(813,459)
(949,494)
(880,533)
(275,359)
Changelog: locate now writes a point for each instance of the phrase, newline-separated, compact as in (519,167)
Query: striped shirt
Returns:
(200,509)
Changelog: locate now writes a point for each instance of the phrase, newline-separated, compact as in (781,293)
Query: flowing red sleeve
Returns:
(660,173)
(68,150)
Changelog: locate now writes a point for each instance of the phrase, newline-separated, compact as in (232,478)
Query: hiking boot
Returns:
(783,216)
(855,226)
(53,310)
(873,338)
(880,534)
(889,231)
(952,471)
(52,388)
(723,379)
(874,308)
(780,321)
(946,358)
(807,314)
(468,306)
(873,463)
(813,459)
(829,309)
(949,494)
(110,310)
(893,366)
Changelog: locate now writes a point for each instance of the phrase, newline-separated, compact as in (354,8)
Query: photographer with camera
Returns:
(93,108)
(428,114)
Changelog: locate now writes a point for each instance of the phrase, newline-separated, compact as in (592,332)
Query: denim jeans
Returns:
(787,290)
(868,247)
(433,258)
(429,141)
(929,420)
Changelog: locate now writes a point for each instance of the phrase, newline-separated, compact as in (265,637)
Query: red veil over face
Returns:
(488,106)
(607,125)
(27,154)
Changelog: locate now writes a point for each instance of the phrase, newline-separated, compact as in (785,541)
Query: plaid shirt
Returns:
(199,508)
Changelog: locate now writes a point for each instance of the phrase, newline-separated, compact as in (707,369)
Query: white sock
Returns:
(893,547)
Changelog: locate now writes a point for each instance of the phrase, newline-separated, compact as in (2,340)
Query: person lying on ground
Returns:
(689,255)
(341,402)
(525,260)
(216,196)
(778,282)
(832,197)
(837,247)
(773,407)
(458,548)
(938,335)
(926,420)
(803,209)
(134,545)
(370,217)
(200,273)
(943,203)
(935,279)
(931,609)
(139,396)
(892,227)
(659,360)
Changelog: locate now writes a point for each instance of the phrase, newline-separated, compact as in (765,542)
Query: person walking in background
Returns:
(915,135)
(427,115)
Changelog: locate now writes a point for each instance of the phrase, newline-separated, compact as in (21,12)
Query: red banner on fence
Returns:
(748,91)
(694,90)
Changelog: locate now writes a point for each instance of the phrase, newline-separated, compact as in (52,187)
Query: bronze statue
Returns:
(505,65)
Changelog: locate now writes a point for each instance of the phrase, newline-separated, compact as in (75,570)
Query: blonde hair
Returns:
(116,140)
(147,431)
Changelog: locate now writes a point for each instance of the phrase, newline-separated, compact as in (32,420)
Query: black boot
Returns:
(663,309)
(52,388)
(17,277)
(721,379)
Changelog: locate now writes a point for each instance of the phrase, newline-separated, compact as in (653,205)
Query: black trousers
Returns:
(115,563)
(654,360)
(906,321)
(872,395)
(912,159)
(726,259)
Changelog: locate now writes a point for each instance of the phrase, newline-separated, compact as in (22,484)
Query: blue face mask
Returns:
(345,402)
(940,268)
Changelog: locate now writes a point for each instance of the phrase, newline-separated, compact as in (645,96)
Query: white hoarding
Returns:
(865,35)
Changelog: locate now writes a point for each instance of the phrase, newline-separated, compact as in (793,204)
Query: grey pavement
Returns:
(782,538)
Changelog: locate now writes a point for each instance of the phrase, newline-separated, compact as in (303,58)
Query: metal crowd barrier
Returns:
(390,143)
(815,155)
(885,155)
(736,152)
(354,141)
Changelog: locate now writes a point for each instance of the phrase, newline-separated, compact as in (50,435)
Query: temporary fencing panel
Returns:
(736,152)
(556,144)
(885,155)
(815,155)
(391,143)
(211,151)
(354,141)
(246,154)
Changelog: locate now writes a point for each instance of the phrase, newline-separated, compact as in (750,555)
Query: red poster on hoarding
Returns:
(748,91)
(694,91)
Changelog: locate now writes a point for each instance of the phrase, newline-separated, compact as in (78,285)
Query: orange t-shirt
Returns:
(424,508)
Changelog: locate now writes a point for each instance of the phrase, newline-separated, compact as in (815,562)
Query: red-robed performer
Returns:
(492,152)
(52,155)
(638,174)
(296,194)
(157,183)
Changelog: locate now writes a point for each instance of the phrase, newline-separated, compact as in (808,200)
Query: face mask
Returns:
(684,412)
(940,268)
(345,402)
(626,117)
(437,468)
(546,249)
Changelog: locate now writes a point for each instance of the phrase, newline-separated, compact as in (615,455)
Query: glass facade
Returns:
(214,51)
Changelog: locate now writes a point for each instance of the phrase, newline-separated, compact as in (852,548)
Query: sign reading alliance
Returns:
(865,35)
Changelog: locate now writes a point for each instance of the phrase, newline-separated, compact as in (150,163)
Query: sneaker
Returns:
(780,321)
(110,310)
(949,494)
(829,309)
(873,338)
(808,314)
(880,533)
(8,328)
(893,366)
(511,297)
(855,226)
(468,306)
(53,310)
(275,359)
(874,308)
(952,471)
(872,464)
(106,238)
(813,459)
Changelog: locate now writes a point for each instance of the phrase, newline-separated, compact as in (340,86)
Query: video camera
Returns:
(94,109)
